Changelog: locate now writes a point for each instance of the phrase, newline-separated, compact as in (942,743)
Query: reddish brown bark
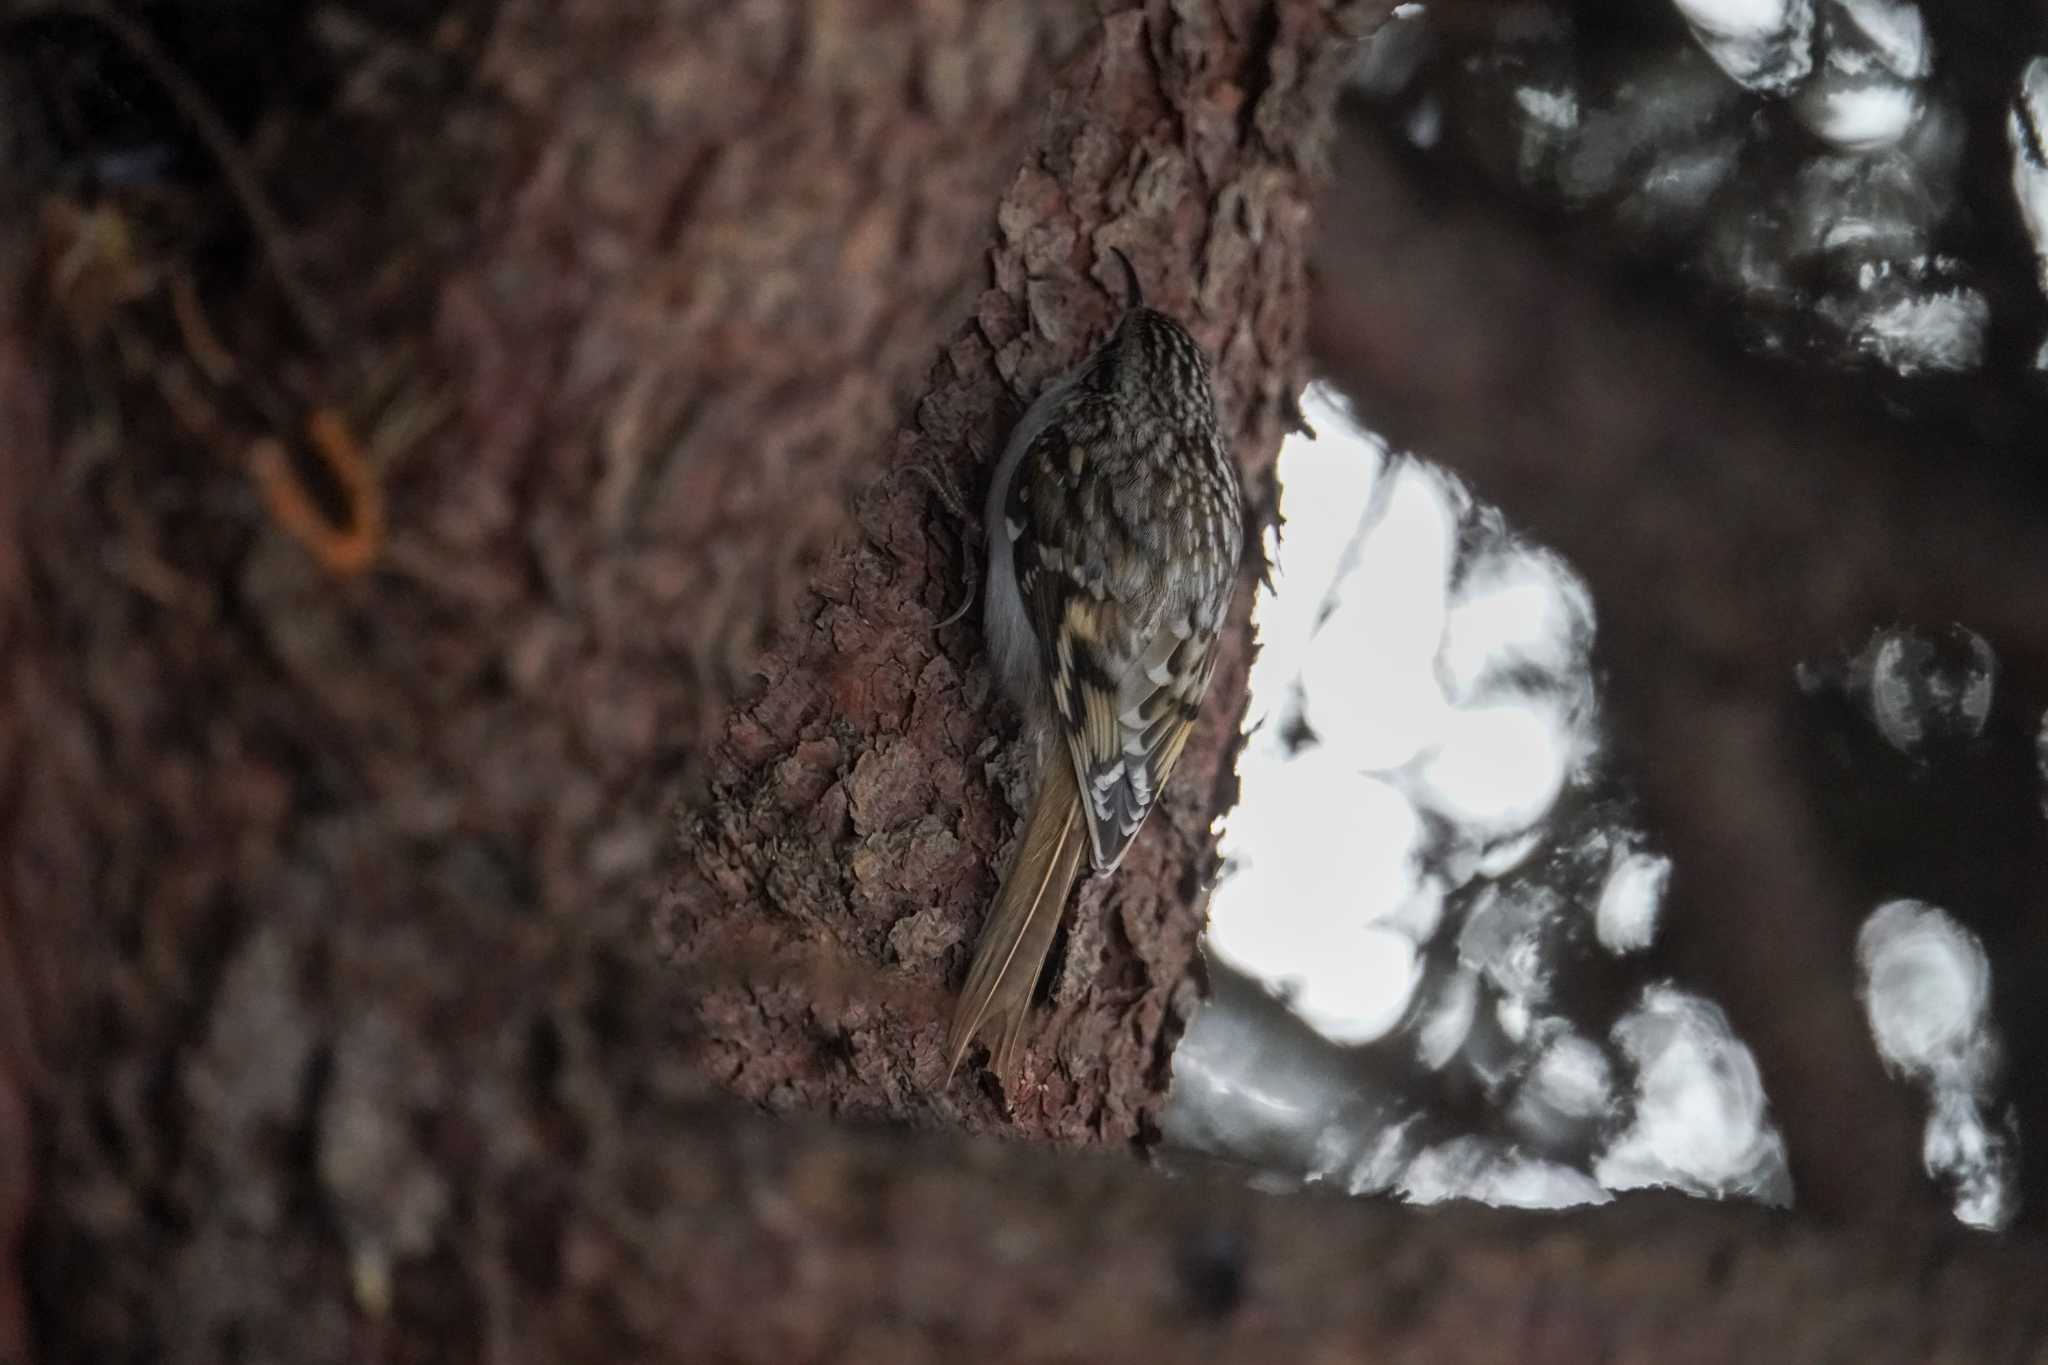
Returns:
(340,866)
(861,802)
(792,1242)
(351,812)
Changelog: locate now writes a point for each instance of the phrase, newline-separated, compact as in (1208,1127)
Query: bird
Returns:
(1114,528)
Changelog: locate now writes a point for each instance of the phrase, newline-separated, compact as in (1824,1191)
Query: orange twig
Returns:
(351,547)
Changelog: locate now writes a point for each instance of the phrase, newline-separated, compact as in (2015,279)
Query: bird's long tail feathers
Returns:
(1020,928)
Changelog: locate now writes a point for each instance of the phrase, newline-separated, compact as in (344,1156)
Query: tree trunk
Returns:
(881,1246)
(406,498)
(864,797)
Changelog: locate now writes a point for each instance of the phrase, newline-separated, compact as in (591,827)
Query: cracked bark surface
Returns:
(330,891)
(863,798)
(320,885)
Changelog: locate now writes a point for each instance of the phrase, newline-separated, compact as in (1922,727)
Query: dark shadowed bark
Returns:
(885,1247)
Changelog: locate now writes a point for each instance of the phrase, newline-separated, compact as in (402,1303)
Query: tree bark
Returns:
(339,767)
(789,1241)
(861,805)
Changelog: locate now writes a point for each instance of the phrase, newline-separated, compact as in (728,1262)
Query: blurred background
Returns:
(1435,932)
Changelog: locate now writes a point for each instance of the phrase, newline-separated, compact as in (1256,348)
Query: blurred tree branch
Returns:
(1732,521)
(887,1246)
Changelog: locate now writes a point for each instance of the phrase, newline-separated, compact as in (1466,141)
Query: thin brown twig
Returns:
(202,343)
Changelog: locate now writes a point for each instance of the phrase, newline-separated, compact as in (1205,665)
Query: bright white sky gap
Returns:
(1326,903)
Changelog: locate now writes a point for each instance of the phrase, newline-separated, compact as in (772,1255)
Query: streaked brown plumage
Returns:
(1114,528)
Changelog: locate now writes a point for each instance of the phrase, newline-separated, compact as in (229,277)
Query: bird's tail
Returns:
(1020,928)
